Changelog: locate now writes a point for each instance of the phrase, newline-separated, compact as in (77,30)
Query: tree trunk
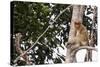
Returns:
(76,15)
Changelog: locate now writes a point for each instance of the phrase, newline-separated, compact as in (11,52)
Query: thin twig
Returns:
(40,35)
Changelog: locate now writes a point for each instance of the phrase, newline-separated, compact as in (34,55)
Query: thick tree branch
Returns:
(17,43)
(41,34)
(83,47)
(73,53)
(18,48)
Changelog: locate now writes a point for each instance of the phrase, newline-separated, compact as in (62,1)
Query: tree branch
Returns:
(41,35)
(83,47)
(17,43)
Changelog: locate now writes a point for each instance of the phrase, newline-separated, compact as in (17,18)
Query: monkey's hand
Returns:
(69,44)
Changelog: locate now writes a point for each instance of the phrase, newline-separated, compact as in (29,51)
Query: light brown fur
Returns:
(81,35)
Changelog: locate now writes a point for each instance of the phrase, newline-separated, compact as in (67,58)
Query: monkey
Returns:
(80,39)
(81,35)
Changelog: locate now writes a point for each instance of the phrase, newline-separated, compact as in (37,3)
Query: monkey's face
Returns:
(77,24)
